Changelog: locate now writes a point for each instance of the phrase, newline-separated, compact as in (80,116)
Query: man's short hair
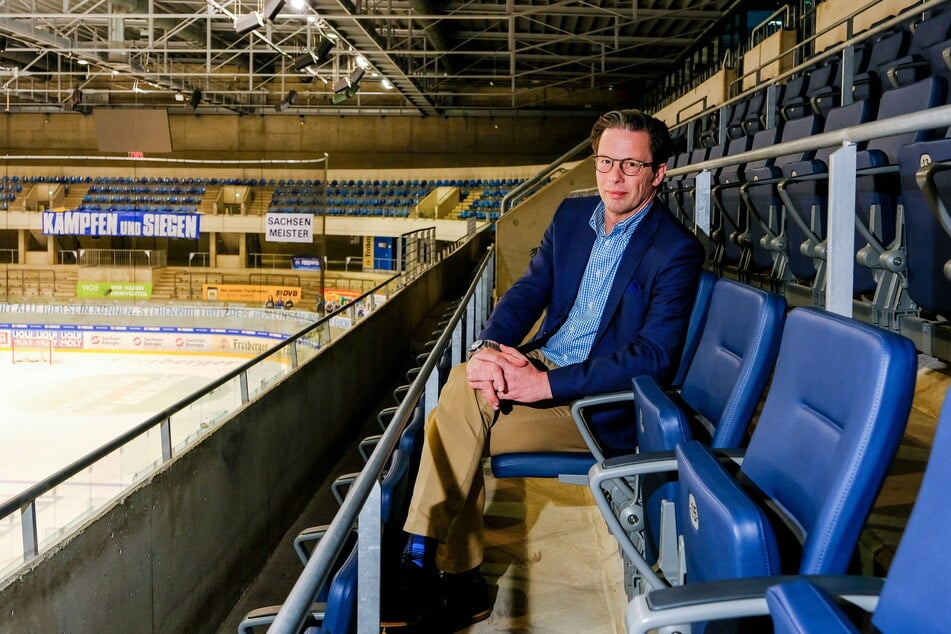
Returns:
(635,121)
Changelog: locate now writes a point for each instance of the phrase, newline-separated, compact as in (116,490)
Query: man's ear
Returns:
(659,173)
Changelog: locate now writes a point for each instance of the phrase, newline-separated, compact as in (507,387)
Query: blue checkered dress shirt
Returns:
(572,343)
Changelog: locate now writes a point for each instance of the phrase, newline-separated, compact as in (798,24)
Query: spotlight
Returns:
(246,23)
(195,99)
(74,99)
(273,8)
(341,85)
(315,57)
(304,60)
(347,87)
(324,46)
(286,102)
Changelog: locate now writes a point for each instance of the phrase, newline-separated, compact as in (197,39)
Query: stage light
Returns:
(287,102)
(273,8)
(316,57)
(324,46)
(246,23)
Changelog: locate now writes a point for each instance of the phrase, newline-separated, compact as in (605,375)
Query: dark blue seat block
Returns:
(929,244)
(810,194)
(883,190)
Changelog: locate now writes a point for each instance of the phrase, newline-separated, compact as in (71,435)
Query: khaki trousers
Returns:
(449,497)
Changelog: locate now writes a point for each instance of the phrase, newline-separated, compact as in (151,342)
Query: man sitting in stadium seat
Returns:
(615,277)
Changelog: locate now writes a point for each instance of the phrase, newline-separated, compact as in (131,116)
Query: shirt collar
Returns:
(625,226)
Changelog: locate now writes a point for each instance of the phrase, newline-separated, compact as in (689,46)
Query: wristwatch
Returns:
(478,344)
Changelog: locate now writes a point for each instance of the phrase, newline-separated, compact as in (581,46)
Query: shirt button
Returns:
(590,305)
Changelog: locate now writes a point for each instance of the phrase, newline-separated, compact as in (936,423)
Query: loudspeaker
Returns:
(195,99)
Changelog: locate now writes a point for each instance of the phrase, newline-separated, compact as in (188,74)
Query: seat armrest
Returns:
(341,485)
(735,598)
(265,616)
(311,534)
(598,400)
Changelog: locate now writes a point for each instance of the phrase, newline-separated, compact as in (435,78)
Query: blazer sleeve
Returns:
(654,348)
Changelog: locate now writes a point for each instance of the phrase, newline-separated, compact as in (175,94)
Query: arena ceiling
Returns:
(423,57)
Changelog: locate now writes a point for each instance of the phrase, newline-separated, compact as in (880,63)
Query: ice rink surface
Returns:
(52,415)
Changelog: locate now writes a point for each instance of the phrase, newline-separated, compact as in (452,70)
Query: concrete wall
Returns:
(173,554)
(352,141)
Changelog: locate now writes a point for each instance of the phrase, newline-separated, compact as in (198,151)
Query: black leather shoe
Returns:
(408,594)
(466,600)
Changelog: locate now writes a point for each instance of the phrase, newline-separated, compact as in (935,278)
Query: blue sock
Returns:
(421,551)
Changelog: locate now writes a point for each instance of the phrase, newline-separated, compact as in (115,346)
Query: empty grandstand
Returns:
(338,242)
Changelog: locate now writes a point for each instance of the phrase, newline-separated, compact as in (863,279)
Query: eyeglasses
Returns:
(629,166)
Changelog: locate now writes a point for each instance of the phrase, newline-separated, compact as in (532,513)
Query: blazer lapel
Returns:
(630,261)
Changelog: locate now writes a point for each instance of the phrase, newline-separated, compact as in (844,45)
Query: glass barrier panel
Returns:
(264,373)
(11,543)
(193,421)
(141,456)
(65,506)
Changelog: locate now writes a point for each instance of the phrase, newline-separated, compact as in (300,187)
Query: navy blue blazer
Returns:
(644,321)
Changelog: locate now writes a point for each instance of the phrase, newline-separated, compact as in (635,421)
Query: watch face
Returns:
(476,345)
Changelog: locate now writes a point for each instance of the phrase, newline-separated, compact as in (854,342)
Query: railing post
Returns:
(702,202)
(243,382)
(31,546)
(840,233)
(369,531)
(165,431)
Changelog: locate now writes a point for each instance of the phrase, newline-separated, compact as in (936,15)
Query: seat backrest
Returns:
(734,358)
(726,534)
(927,284)
(340,615)
(914,596)
(698,317)
(927,93)
(830,425)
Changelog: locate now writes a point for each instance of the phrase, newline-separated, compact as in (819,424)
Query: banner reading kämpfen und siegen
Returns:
(121,223)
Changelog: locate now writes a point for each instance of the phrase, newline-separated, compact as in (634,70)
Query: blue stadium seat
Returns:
(732,222)
(926,192)
(912,598)
(766,239)
(804,193)
(752,350)
(877,181)
(928,34)
(829,427)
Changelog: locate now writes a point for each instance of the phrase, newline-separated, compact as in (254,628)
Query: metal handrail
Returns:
(295,608)
(921,120)
(529,185)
